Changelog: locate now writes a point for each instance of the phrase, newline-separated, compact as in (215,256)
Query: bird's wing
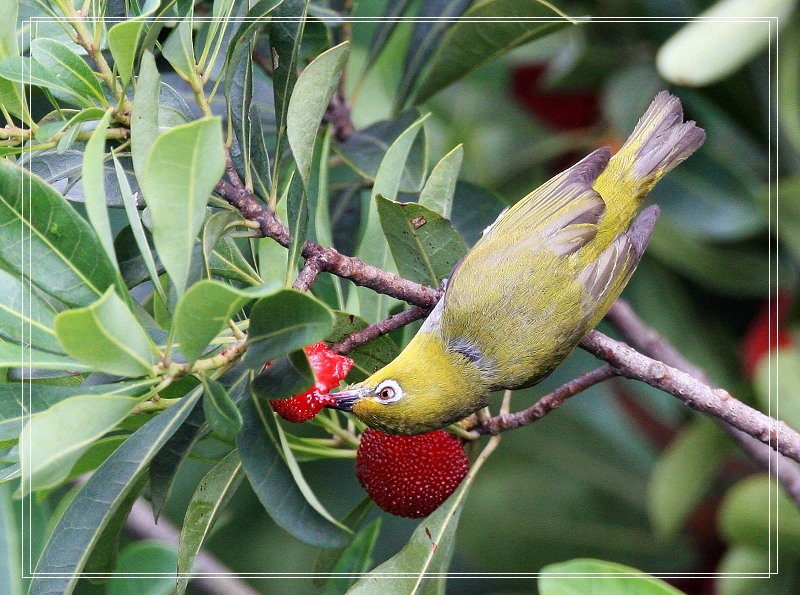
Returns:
(561,215)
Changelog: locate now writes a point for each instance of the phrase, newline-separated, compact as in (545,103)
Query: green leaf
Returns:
(297,215)
(178,50)
(62,255)
(228,262)
(437,194)
(576,575)
(48,130)
(275,486)
(430,548)
(720,41)
(28,71)
(355,559)
(373,247)
(10,92)
(57,57)
(745,560)
(364,150)
(10,546)
(777,384)
(154,559)
(472,42)
(205,309)
(285,36)
(54,440)
(282,322)
(327,559)
(309,101)
(673,494)
(748,512)
(384,30)
(285,377)
(25,317)
(220,411)
(94,188)
(367,358)
(435,17)
(13,355)
(106,336)
(212,495)
(145,114)
(423,244)
(123,41)
(17,405)
(788,80)
(85,518)
(182,168)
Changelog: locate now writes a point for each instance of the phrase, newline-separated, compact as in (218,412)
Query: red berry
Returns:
(329,370)
(767,332)
(410,476)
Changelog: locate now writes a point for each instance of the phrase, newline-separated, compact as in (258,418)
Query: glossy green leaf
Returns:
(355,559)
(285,377)
(25,316)
(14,355)
(220,411)
(384,30)
(106,336)
(57,57)
(228,262)
(721,40)
(474,208)
(367,358)
(212,495)
(437,194)
(28,71)
(10,546)
(673,494)
(297,215)
(282,322)
(123,41)
(434,18)
(748,515)
(54,440)
(327,559)
(273,483)
(216,227)
(579,575)
(373,247)
(48,130)
(472,43)
(430,548)
(145,114)
(254,18)
(155,559)
(85,518)
(788,81)
(182,168)
(285,36)
(94,186)
(178,50)
(424,245)
(309,101)
(205,309)
(364,150)
(62,255)
(11,92)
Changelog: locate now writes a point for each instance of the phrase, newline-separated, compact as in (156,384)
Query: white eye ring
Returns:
(388,391)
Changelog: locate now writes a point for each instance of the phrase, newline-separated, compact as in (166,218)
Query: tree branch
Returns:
(649,342)
(378,329)
(718,402)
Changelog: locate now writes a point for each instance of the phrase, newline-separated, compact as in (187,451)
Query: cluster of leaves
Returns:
(139,308)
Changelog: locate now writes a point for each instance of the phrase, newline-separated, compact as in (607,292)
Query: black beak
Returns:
(345,399)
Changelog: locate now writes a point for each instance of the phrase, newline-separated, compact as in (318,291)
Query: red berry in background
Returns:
(563,110)
(329,370)
(410,476)
(767,332)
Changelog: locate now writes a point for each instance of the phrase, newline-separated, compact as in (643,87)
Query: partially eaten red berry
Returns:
(329,370)
(410,476)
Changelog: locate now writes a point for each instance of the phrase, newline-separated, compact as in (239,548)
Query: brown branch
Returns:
(649,342)
(223,582)
(554,400)
(378,329)
(308,274)
(631,364)
(330,260)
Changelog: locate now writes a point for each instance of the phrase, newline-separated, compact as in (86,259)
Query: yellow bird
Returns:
(541,277)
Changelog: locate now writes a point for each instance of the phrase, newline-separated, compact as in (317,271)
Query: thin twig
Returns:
(308,274)
(554,400)
(223,582)
(630,363)
(649,342)
(330,260)
(378,329)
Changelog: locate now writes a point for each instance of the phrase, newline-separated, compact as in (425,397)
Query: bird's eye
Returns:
(388,392)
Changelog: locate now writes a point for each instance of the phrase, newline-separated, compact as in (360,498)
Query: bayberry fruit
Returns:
(329,370)
(410,476)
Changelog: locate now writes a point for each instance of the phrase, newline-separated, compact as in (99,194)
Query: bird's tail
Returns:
(660,141)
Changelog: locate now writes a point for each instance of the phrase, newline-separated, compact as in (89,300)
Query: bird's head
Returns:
(425,388)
